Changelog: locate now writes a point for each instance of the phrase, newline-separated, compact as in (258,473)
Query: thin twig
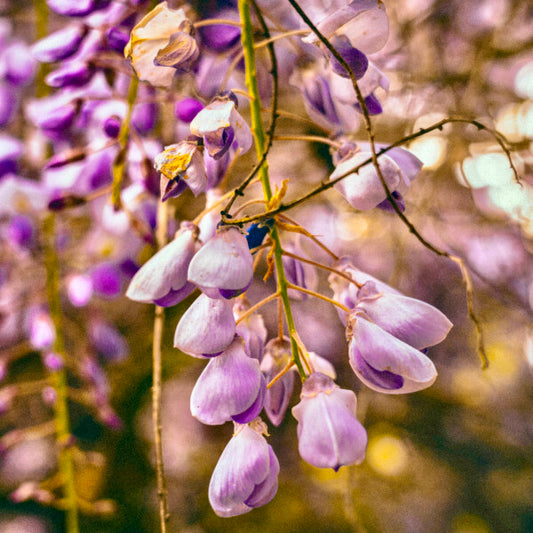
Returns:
(159,320)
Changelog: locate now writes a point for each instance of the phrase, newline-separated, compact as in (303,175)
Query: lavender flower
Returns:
(156,46)
(207,328)
(385,363)
(223,268)
(277,357)
(60,44)
(329,434)
(181,165)
(363,190)
(163,278)
(229,386)
(220,124)
(246,475)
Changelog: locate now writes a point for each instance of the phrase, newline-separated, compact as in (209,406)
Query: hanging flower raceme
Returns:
(163,278)
(329,434)
(162,44)
(221,125)
(246,475)
(231,387)
(223,268)
(181,165)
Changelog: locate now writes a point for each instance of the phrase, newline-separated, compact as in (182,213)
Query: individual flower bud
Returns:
(412,321)
(42,330)
(317,98)
(181,165)
(106,280)
(152,37)
(246,475)
(187,109)
(207,327)
(276,359)
(329,434)
(18,64)
(53,361)
(363,190)
(112,126)
(107,341)
(21,231)
(220,124)
(10,151)
(320,364)
(117,39)
(252,329)
(299,273)
(385,363)
(60,44)
(372,104)
(71,74)
(144,117)
(221,37)
(229,386)
(356,60)
(163,278)
(80,8)
(52,115)
(181,51)
(223,268)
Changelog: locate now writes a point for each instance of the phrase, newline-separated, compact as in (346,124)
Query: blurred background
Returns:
(454,458)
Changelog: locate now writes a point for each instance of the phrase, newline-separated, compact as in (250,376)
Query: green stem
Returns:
(259,137)
(119,163)
(59,380)
(41,31)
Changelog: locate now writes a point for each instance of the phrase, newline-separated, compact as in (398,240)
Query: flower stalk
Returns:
(260,143)
(58,380)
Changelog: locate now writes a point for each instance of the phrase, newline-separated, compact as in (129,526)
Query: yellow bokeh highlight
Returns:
(387,455)
(469,523)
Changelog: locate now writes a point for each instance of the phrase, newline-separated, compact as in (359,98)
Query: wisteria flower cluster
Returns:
(146,168)
(386,330)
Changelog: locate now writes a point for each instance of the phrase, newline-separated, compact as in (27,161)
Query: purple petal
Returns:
(329,434)
(166,271)
(229,385)
(223,263)
(383,352)
(245,464)
(207,327)
(253,411)
(412,321)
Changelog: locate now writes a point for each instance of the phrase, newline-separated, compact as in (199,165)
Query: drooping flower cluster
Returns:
(146,115)
(244,373)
